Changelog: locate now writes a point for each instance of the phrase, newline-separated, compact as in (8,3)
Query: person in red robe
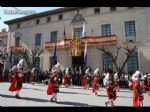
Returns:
(86,79)
(17,78)
(95,81)
(53,85)
(148,80)
(110,89)
(137,90)
(67,78)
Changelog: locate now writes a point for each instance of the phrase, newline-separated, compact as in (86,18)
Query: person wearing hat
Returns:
(67,78)
(110,89)
(17,78)
(86,79)
(137,90)
(95,81)
(148,81)
(53,85)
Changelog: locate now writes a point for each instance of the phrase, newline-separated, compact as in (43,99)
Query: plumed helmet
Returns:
(67,72)
(56,68)
(115,75)
(135,76)
(87,71)
(96,71)
(107,76)
(20,64)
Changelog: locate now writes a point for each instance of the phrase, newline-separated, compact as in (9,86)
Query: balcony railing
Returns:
(90,40)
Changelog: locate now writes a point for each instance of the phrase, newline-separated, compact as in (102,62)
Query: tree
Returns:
(30,56)
(115,53)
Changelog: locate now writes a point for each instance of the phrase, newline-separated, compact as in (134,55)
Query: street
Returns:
(74,96)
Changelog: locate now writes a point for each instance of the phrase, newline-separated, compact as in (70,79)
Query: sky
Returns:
(6,17)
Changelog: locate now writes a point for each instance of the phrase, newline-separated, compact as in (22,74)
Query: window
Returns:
(132,64)
(106,29)
(37,39)
(48,19)
(18,25)
(17,41)
(78,32)
(37,21)
(107,62)
(60,17)
(54,36)
(97,10)
(1,42)
(37,63)
(113,9)
(130,29)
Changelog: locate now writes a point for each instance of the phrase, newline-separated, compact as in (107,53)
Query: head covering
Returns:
(116,75)
(56,68)
(107,76)
(87,71)
(136,75)
(20,64)
(96,71)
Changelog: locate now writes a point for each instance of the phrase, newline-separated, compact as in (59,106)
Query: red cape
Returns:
(13,85)
(136,101)
(84,81)
(50,88)
(94,84)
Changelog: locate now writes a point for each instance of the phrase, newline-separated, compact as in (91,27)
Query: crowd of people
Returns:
(75,76)
(85,77)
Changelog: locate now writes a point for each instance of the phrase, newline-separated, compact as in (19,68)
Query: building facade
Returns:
(104,26)
(3,50)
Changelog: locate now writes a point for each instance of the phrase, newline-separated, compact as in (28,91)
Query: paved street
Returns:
(35,95)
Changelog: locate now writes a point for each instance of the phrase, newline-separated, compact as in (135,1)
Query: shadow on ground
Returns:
(26,98)
(75,104)
(73,93)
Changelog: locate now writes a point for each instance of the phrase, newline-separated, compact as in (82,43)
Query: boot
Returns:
(17,96)
(51,100)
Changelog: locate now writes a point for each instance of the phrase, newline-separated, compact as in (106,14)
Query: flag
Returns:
(54,57)
(85,54)
(83,32)
(64,32)
(73,33)
(10,57)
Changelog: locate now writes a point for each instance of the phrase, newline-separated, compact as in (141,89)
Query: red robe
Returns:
(84,80)
(13,85)
(142,84)
(149,92)
(66,80)
(94,84)
(132,84)
(149,88)
(111,91)
(50,88)
(136,98)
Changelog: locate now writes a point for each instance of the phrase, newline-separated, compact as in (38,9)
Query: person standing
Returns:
(137,91)
(95,81)
(110,89)
(17,78)
(53,85)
